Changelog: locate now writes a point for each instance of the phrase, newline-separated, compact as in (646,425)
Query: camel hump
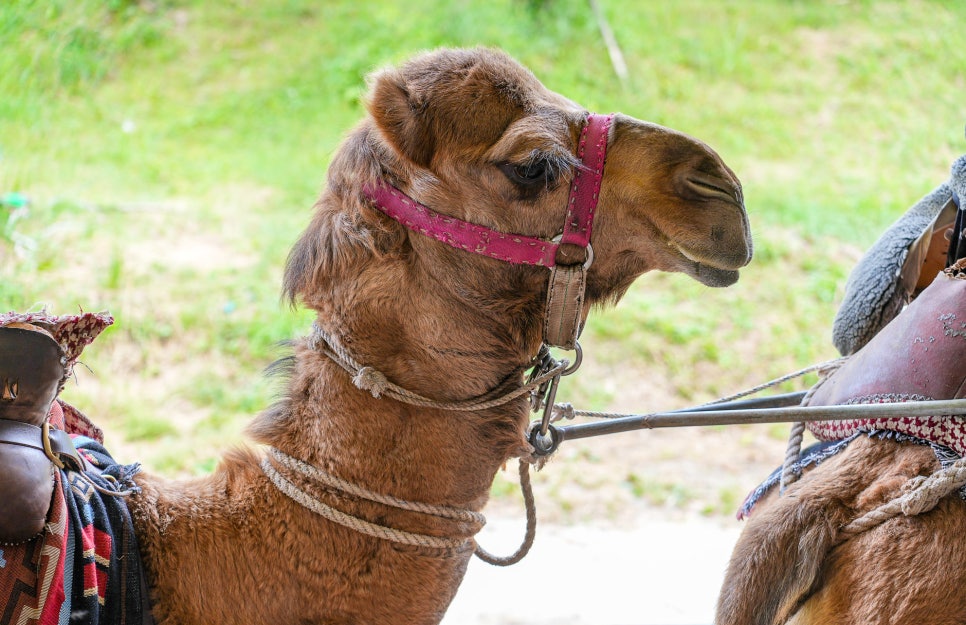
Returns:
(32,367)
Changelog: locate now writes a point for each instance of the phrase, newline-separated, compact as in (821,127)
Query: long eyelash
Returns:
(558,164)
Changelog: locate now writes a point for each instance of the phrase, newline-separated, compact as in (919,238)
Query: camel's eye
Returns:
(529,174)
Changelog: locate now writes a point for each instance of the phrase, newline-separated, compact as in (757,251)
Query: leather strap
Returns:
(511,248)
(585,187)
(517,249)
(26,435)
(565,302)
(569,255)
(565,293)
(927,255)
(957,243)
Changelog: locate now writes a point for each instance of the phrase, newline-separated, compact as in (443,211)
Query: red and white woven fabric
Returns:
(948,431)
(72,332)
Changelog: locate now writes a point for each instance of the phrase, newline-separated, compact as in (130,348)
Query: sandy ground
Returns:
(634,529)
(655,572)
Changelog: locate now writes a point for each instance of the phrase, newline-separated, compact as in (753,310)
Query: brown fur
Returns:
(229,548)
(907,571)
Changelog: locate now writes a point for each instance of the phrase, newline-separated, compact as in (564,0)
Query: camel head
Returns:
(472,134)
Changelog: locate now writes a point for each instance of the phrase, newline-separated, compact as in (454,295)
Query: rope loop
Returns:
(370,379)
(531,530)
(918,495)
(317,475)
(375,530)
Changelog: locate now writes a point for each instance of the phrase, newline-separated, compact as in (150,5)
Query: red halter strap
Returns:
(512,248)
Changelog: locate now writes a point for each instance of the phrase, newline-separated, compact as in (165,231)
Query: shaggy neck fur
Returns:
(439,339)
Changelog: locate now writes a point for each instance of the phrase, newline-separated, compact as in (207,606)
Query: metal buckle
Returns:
(588,261)
(47,449)
(545,395)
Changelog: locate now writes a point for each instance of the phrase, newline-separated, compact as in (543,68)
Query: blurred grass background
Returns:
(158,158)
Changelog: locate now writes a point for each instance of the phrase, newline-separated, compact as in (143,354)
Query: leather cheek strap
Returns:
(568,280)
(56,444)
(565,301)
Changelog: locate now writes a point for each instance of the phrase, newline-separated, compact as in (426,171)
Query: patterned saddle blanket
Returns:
(84,567)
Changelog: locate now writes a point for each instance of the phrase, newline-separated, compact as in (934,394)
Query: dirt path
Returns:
(635,529)
(654,571)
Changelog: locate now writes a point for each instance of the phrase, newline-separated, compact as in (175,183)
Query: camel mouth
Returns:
(713,276)
(707,271)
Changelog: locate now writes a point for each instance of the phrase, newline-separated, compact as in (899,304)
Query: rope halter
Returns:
(562,325)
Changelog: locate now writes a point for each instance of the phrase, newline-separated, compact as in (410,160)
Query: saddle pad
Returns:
(84,568)
(822,450)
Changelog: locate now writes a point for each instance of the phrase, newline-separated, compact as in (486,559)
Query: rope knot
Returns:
(564,410)
(372,380)
(315,339)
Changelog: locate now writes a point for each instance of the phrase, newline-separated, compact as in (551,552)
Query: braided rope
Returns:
(374,381)
(388,533)
(531,531)
(920,494)
(371,379)
(320,476)
(793,452)
(566,411)
(347,520)
(125,492)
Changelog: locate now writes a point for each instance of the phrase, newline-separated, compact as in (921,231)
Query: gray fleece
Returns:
(873,293)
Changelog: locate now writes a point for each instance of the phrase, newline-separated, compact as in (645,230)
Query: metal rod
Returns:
(773,401)
(708,415)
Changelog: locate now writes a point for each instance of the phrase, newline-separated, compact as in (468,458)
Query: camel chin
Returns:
(714,277)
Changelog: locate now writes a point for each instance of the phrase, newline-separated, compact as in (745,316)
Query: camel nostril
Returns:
(713,187)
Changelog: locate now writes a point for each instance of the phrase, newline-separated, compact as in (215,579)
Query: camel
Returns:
(472,135)
(866,536)
(447,302)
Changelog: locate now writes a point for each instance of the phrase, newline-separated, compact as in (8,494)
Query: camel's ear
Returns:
(402,117)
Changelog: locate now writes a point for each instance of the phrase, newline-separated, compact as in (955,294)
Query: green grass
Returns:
(172,150)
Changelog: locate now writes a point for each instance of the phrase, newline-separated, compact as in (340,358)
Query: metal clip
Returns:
(541,435)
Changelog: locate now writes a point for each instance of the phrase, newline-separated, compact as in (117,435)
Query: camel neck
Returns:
(411,452)
(368,378)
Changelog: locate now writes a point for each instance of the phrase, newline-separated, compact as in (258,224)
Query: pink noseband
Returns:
(565,292)
(512,248)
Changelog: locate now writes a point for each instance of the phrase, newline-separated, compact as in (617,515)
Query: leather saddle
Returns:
(921,353)
(33,367)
